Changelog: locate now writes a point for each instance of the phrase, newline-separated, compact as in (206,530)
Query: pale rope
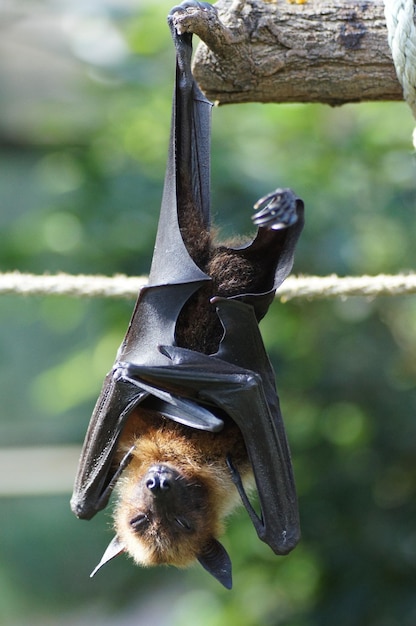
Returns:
(400,18)
(119,287)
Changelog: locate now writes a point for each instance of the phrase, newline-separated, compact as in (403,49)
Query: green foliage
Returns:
(88,202)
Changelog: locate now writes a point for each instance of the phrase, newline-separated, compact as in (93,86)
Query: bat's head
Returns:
(173,496)
(165,516)
(161,516)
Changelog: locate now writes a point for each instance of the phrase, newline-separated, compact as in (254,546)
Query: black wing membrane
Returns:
(238,379)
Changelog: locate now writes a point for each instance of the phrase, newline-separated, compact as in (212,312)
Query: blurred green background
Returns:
(85,90)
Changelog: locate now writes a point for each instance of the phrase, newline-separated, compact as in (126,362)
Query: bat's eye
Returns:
(183,523)
(138,522)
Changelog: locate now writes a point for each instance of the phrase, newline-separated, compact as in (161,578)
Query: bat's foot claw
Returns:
(277,210)
(183,17)
(191,4)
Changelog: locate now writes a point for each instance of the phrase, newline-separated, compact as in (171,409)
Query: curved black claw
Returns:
(277,210)
(191,4)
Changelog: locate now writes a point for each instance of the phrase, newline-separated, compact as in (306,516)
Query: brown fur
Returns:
(199,458)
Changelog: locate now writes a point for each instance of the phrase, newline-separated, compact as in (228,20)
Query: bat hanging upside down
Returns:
(189,412)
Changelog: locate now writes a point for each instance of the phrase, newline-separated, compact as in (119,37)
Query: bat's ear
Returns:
(216,561)
(114,548)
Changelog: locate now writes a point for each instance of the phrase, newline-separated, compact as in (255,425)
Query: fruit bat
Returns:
(189,413)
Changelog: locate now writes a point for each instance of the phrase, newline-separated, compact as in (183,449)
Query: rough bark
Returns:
(330,51)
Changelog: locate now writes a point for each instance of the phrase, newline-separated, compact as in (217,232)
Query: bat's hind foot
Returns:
(277,210)
(192,4)
(185,15)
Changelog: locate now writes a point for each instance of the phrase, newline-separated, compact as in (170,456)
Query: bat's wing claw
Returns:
(277,210)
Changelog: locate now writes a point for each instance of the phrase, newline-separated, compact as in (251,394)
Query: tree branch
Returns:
(330,51)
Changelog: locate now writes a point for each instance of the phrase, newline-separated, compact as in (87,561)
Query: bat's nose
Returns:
(159,479)
(158,482)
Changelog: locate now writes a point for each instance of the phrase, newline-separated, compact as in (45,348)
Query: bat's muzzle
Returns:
(160,479)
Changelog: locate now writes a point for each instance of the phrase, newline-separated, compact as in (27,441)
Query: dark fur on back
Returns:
(232,274)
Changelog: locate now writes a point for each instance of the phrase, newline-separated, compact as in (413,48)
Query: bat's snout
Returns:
(160,479)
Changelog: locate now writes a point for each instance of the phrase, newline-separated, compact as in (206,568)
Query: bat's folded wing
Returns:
(153,322)
(239,381)
(92,483)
